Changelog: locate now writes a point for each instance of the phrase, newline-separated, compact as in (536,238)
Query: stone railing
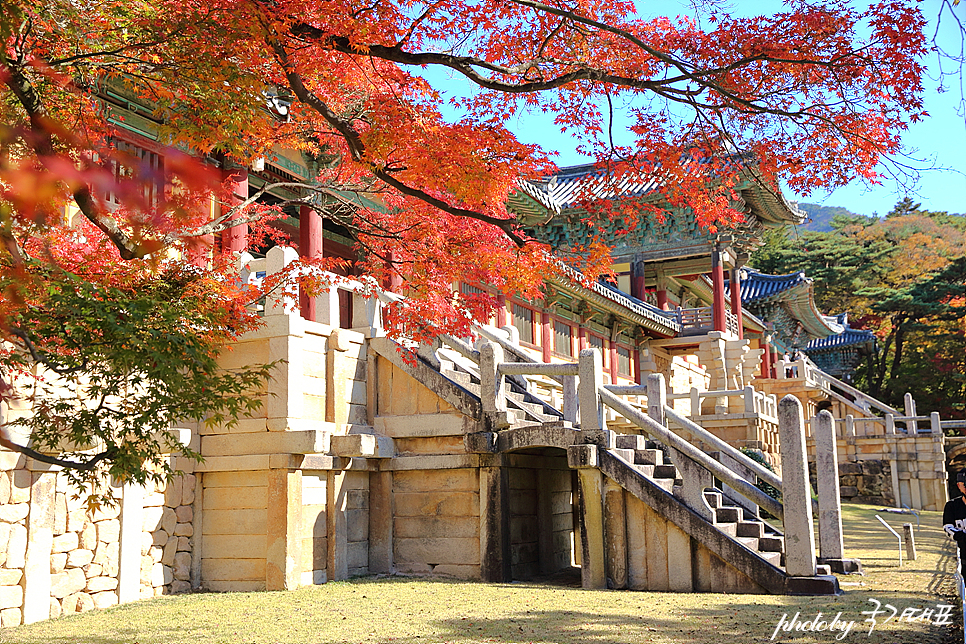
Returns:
(806,370)
(755,402)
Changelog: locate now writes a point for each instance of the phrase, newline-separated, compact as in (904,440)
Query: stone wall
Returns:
(892,469)
(58,557)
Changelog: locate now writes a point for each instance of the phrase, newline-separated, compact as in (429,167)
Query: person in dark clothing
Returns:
(954,517)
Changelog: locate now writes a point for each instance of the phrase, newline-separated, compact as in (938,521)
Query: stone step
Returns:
(631,441)
(728,514)
(729,529)
(665,471)
(649,456)
(776,559)
(646,470)
(459,377)
(771,544)
(713,499)
(666,484)
(752,529)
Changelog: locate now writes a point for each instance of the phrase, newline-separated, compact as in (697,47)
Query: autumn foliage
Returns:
(817,95)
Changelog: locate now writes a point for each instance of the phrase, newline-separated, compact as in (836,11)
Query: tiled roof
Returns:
(569,185)
(848,338)
(759,286)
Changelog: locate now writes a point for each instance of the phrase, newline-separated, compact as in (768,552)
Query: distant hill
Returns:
(821,216)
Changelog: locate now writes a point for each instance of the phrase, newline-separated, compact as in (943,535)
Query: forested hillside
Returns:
(820,217)
(902,276)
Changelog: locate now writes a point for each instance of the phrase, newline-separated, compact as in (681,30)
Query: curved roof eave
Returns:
(617,303)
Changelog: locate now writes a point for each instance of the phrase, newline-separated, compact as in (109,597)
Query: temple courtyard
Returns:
(912,604)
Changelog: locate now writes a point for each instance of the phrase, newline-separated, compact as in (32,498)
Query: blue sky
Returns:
(936,145)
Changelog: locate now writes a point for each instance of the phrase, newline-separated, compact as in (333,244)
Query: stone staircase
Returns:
(670,484)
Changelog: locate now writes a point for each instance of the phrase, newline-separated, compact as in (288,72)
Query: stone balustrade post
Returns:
(935,425)
(890,427)
(796,491)
(656,397)
(695,402)
(276,259)
(909,403)
(849,426)
(827,474)
(749,400)
(492,389)
(591,378)
(571,406)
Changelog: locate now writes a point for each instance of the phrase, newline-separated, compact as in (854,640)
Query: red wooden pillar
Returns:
(501,317)
(235,239)
(638,288)
(718,317)
(736,301)
(546,336)
(581,338)
(637,366)
(774,363)
(661,299)
(765,359)
(310,247)
(612,350)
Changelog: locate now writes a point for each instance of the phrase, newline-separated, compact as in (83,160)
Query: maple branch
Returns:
(358,150)
(44,147)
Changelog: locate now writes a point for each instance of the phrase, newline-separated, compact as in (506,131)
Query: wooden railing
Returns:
(701,320)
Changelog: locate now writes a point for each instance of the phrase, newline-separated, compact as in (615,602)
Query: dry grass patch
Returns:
(418,611)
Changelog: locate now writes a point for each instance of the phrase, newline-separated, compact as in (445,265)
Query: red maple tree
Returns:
(816,95)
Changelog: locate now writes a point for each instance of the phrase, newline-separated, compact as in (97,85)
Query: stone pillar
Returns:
(615,534)
(40,537)
(909,537)
(129,550)
(719,319)
(492,391)
(198,531)
(571,405)
(338,368)
(310,247)
(593,574)
(591,380)
(336,528)
(736,300)
(381,513)
(796,492)
(284,530)
(657,398)
(494,524)
(235,239)
(912,427)
(829,502)
(276,259)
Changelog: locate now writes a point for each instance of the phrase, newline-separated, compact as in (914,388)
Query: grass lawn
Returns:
(417,611)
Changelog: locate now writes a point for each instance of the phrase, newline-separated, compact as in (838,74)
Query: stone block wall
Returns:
(60,557)
(892,469)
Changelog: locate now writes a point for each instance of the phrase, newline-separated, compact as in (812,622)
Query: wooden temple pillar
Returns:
(501,316)
(310,247)
(765,358)
(736,300)
(718,317)
(546,334)
(235,239)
